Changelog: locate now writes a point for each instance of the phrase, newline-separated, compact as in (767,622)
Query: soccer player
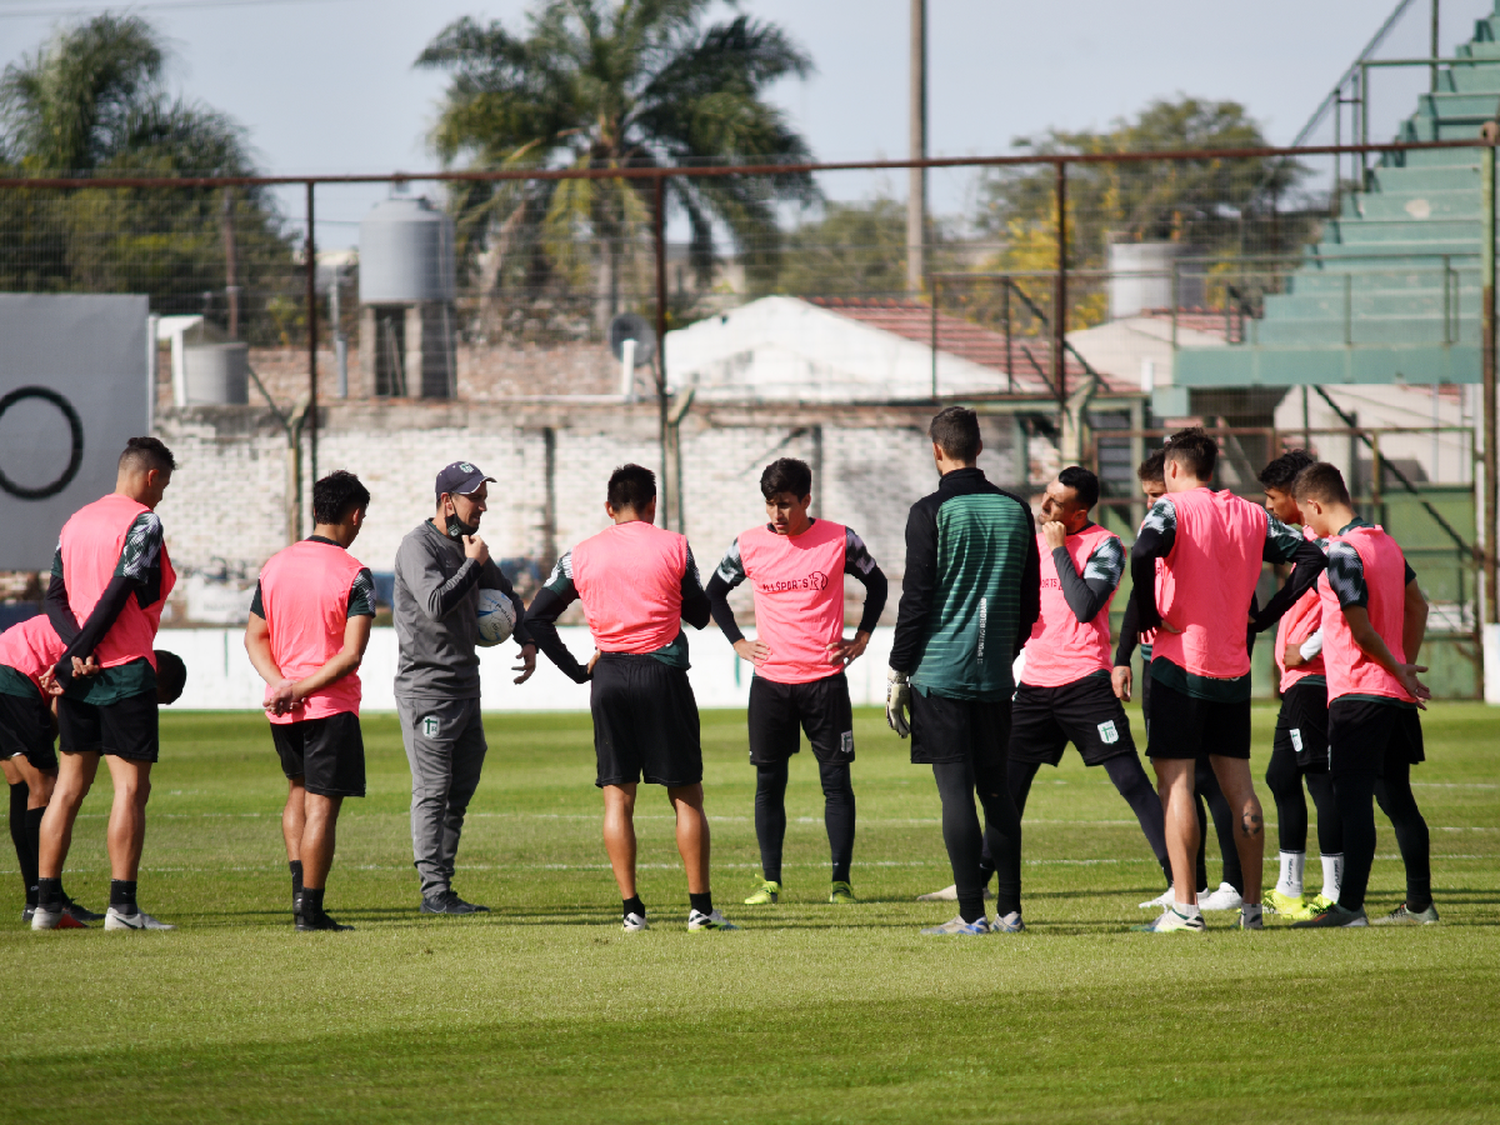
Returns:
(1374,620)
(638,583)
(1065,693)
(110,579)
(1299,749)
(970,595)
(309,625)
(1206,789)
(796,565)
(27,729)
(440,568)
(1211,545)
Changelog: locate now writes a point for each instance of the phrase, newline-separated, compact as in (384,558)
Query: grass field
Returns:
(544,1011)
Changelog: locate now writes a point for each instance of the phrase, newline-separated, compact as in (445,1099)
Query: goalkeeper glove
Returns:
(897,702)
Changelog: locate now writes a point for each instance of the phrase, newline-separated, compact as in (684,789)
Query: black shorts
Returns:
(1363,735)
(1181,726)
(778,714)
(958,730)
(1302,726)
(26,729)
(126,729)
(645,722)
(327,753)
(1043,720)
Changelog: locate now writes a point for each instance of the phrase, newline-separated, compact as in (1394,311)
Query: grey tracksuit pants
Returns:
(445,748)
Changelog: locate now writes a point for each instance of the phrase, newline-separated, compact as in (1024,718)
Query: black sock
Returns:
(20,793)
(770,818)
(312,902)
(633,905)
(29,862)
(122,896)
(295,865)
(49,894)
(838,816)
(704,903)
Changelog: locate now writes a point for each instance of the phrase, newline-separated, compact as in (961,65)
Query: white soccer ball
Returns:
(497,618)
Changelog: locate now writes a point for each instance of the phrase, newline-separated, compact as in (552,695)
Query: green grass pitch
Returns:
(544,1011)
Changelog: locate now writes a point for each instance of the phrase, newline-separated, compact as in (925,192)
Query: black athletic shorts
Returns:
(1302,726)
(1043,720)
(645,722)
(1181,726)
(26,729)
(126,729)
(958,730)
(780,712)
(1363,735)
(327,753)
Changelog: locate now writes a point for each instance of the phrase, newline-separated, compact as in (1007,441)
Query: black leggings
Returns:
(966,843)
(838,816)
(1284,779)
(1353,791)
(1132,783)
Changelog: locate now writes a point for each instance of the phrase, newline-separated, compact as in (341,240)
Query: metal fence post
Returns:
(312,342)
(659,239)
(1060,293)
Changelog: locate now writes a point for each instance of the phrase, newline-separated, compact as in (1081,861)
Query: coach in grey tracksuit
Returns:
(440,569)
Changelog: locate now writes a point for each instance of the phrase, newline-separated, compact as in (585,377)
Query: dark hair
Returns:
(337,495)
(786,475)
(1322,482)
(1194,450)
(633,487)
(1084,483)
(956,432)
(171,676)
(1153,468)
(147,453)
(1280,473)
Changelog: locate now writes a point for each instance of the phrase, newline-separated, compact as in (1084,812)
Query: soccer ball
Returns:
(497,618)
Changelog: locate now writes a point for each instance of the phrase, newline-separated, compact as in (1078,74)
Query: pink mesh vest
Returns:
(799,598)
(91,543)
(1208,581)
(1063,649)
(304,590)
(1299,623)
(629,579)
(1349,670)
(31,648)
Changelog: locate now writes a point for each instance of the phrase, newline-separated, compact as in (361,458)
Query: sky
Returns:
(328,86)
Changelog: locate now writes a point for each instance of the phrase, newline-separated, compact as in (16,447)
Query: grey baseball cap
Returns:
(461,478)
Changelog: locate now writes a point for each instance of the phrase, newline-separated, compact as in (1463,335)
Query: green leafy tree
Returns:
(599,84)
(90,102)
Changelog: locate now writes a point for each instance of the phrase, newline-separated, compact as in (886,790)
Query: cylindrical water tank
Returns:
(406,254)
(216,374)
(1140,278)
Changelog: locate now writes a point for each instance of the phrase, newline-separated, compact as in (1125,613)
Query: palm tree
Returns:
(629,84)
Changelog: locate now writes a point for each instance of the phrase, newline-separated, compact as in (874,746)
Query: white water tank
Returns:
(406,254)
(216,374)
(1140,277)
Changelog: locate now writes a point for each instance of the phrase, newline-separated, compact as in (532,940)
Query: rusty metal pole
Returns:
(659,231)
(312,342)
(1060,297)
(1487,310)
(231,266)
(916,194)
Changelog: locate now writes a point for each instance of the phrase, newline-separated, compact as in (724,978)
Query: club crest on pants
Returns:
(430,726)
(1108,734)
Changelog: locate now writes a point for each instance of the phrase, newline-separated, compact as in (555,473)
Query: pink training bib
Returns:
(629,579)
(1063,649)
(799,598)
(91,543)
(1208,580)
(304,590)
(1349,670)
(31,648)
(1299,623)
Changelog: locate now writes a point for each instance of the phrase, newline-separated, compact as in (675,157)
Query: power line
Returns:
(159,5)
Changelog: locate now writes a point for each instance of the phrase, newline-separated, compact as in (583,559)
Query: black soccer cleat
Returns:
(319,922)
(448,902)
(80,913)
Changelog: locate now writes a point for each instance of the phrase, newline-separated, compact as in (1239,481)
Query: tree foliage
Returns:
(603,84)
(90,102)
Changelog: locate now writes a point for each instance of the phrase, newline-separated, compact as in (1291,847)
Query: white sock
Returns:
(1333,875)
(1250,910)
(1187,911)
(1292,865)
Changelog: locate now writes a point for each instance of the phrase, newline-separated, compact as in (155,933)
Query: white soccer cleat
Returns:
(1225,898)
(950,894)
(634,923)
(956,925)
(1165,899)
(1171,922)
(115,919)
(697,920)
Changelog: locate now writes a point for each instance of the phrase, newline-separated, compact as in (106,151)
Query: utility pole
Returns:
(1489,135)
(916,195)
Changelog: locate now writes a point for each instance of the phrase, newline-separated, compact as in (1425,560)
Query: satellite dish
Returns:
(632,326)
